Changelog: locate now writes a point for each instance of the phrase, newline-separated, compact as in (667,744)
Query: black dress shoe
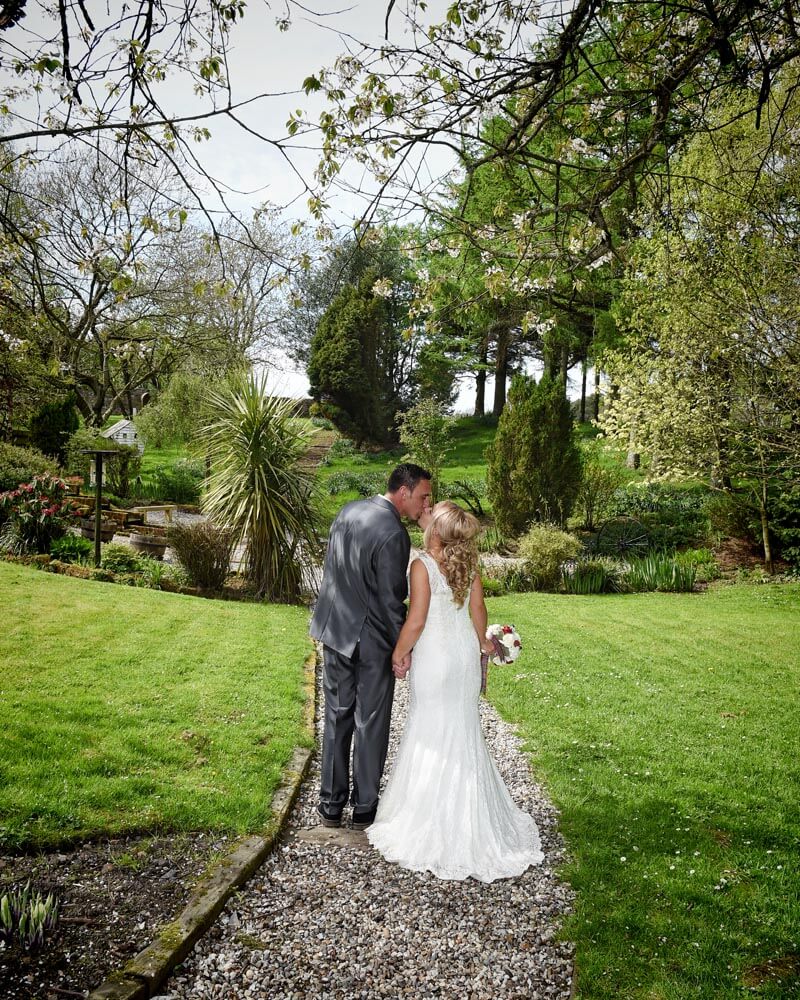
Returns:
(361,820)
(329,818)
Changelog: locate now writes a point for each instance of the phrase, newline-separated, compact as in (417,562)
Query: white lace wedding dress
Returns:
(445,808)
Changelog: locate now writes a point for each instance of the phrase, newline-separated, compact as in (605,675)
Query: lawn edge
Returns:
(143,976)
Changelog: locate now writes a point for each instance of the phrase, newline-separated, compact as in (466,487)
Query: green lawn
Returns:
(666,729)
(128,709)
(152,457)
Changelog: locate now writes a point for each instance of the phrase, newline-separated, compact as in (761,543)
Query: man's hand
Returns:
(401,667)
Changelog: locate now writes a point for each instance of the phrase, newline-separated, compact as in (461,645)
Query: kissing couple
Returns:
(445,808)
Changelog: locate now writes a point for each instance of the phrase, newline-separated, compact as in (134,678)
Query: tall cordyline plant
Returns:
(256,488)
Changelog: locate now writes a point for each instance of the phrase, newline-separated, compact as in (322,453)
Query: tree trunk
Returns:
(500,372)
(596,392)
(765,529)
(633,458)
(480,380)
(564,367)
(584,369)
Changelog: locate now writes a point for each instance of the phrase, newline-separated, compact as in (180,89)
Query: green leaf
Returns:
(311,83)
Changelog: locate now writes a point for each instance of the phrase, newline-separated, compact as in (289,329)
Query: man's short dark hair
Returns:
(408,475)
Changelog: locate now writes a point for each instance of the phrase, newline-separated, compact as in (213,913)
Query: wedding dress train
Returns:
(445,808)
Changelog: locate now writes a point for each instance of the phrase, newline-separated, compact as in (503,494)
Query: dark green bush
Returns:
(673,516)
(785,518)
(53,425)
(534,462)
(204,551)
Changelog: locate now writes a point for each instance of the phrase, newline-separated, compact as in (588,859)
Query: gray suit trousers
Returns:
(365,680)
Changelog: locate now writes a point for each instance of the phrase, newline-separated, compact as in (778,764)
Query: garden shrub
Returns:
(706,566)
(599,486)
(71,548)
(594,575)
(343,447)
(204,550)
(122,469)
(153,573)
(545,547)
(119,558)
(492,587)
(785,523)
(20,465)
(673,516)
(52,426)
(534,462)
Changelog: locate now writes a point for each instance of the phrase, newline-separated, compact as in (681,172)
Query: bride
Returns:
(445,808)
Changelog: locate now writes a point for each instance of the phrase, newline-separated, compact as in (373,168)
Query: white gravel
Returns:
(327,921)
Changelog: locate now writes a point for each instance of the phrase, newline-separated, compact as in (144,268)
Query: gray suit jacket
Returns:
(364,584)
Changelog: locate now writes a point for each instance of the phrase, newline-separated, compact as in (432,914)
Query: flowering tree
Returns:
(708,382)
(574,113)
(111,287)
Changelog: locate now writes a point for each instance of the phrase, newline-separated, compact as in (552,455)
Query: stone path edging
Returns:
(146,973)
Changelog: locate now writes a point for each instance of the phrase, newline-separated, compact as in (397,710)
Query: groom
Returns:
(359,614)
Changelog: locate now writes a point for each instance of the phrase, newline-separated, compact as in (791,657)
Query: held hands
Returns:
(400,667)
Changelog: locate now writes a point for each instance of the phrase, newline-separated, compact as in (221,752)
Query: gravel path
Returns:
(325,921)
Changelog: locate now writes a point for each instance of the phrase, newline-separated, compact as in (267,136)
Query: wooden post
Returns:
(98,496)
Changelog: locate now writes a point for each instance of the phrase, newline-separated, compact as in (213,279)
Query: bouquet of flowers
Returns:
(507,647)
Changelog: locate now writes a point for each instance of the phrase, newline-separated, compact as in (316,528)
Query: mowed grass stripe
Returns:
(665,727)
(131,709)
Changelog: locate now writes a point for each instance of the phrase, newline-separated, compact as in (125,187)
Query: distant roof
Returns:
(118,426)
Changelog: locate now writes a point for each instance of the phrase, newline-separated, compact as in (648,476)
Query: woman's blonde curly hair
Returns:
(457,532)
